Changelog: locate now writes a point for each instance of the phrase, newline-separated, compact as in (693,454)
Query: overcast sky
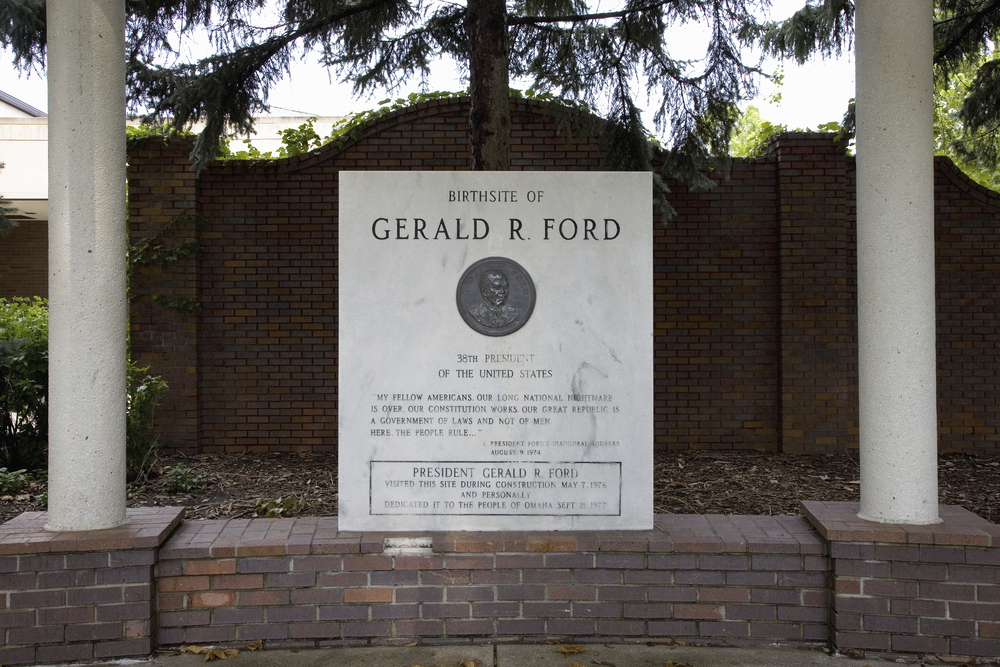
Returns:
(813,94)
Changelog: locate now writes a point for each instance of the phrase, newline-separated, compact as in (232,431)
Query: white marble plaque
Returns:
(496,351)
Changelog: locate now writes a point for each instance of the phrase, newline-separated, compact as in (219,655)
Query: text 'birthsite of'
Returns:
(496,350)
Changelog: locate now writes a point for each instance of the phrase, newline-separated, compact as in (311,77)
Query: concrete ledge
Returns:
(146,528)
(693,533)
(839,522)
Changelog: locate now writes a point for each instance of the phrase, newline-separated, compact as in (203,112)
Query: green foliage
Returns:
(137,135)
(6,209)
(182,304)
(304,138)
(348,128)
(22,30)
(752,133)
(182,479)
(280,507)
(24,358)
(294,140)
(13,482)
(966,70)
(145,392)
(967,86)
(155,250)
(251,152)
(975,151)
(301,139)
(825,27)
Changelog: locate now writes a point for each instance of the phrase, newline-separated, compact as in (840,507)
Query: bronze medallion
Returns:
(495,296)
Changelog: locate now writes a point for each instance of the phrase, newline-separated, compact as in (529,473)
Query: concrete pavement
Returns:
(520,655)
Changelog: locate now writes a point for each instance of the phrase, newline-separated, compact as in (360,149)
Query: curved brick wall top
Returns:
(961,182)
(444,122)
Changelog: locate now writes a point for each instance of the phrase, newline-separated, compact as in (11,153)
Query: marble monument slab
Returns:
(496,351)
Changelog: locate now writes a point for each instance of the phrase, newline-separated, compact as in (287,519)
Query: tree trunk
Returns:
(489,85)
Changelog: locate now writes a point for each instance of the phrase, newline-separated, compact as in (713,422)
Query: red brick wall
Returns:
(817,311)
(754,287)
(715,308)
(967,243)
(24,260)
(162,187)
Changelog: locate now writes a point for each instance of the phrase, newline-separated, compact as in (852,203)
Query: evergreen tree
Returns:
(973,151)
(966,65)
(607,59)
(967,61)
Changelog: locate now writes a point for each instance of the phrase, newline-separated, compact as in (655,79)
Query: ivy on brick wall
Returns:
(155,251)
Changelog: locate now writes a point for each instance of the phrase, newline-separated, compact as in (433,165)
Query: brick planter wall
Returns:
(827,578)
(79,596)
(912,589)
(301,582)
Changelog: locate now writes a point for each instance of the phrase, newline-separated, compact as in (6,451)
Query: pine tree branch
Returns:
(971,25)
(22,31)
(225,89)
(579,18)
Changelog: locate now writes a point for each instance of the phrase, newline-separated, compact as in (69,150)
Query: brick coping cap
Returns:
(679,533)
(839,522)
(151,527)
(145,528)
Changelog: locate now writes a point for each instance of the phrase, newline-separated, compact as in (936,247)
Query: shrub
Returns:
(279,508)
(24,364)
(145,392)
(24,371)
(181,479)
(13,482)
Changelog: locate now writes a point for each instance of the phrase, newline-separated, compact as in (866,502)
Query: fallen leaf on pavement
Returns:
(192,649)
(571,649)
(221,653)
(256,645)
(470,662)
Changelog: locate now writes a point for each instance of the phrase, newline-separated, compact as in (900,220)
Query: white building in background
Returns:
(24,138)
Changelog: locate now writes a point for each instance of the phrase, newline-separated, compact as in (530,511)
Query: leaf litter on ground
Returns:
(210,653)
(686,482)
(570,649)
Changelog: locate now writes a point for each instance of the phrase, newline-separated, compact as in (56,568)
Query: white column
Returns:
(87,303)
(896,355)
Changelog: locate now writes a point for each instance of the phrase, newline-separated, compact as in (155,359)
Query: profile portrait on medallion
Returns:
(495,296)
